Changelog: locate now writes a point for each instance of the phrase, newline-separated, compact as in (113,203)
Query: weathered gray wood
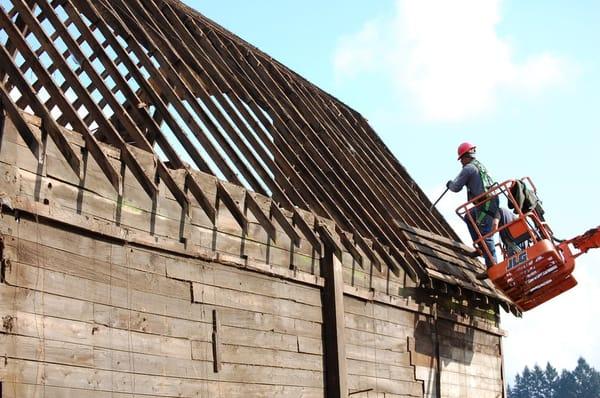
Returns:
(443,240)
(70,331)
(237,354)
(19,390)
(31,253)
(96,292)
(243,281)
(278,215)
(333,322)
(372,354)
(383,371)
(403,388)
(257,360)
(125,319)
(253,302)
(363,326)
(310,345)
(279,379)
(252,205)
(379,311)
(30,138)
(94,309)
(216,342)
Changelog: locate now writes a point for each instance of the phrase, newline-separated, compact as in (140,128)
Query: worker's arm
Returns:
(463,177)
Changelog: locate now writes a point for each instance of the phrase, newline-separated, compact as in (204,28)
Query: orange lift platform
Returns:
(533,266)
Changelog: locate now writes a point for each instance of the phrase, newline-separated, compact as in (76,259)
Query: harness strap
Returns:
(487,183)
(483,212)
(486,180)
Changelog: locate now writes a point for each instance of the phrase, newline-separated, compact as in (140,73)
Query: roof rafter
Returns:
(174,92)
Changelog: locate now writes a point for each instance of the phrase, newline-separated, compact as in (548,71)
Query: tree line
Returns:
(582,382)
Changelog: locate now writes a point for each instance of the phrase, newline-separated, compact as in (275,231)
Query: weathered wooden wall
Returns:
(107,296)
(85,313)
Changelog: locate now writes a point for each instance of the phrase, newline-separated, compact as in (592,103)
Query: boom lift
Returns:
(534,266)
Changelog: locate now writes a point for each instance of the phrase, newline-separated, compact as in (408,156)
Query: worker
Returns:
(477,180)
(505,217)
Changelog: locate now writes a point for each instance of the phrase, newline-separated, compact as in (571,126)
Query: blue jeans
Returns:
(485,227)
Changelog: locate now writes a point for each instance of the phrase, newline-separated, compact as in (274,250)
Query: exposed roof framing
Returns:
(161,77)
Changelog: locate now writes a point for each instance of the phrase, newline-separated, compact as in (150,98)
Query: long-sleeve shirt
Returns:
(469,176)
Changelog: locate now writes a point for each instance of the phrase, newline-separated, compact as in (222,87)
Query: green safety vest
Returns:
(487,182)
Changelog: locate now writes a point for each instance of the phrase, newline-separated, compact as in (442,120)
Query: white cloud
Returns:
(358,52)
(540,71)
(447,55)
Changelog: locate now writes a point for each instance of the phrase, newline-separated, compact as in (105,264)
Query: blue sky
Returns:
(519,79)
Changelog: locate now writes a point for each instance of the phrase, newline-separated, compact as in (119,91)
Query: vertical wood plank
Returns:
(334,325)
(216,342)
(436,347)
(502,369)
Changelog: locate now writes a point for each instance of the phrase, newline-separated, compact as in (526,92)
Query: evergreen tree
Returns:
(587,379)
(523,384)
(567,385)
(582,382)
(551,381)
(538,383)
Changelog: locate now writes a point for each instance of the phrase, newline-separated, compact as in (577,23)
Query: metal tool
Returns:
(438,199)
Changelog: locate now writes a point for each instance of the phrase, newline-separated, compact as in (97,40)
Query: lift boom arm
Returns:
(587,241)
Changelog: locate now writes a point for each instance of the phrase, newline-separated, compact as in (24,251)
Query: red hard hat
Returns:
(465,147)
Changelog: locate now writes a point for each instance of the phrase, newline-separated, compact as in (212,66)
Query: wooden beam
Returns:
(216,342)
(384,252)
(308,232)
(343,137)
(367,248)
(10,47)
(31,140)
(337,198)
(164,174)
(120,115)
(158,46)
(285,224)
(53,129)
(207,74)
(453,244)
(251,204)
(349,245)
(233,110)
(157,99)
(334,340)
(232,206)
(201,197)
(328,240)
(7,65)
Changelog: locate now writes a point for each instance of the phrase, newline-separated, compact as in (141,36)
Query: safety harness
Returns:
(487,182)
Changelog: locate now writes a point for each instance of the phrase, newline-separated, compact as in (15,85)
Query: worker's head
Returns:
(466,152)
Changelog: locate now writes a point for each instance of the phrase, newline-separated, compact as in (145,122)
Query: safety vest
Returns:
(483,174)
(487,183)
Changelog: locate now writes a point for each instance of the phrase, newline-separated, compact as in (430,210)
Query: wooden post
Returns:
(436,348)
(502,368)
(333,321)
(216,343)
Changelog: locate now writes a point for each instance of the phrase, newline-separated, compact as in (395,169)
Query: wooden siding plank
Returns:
(252,302)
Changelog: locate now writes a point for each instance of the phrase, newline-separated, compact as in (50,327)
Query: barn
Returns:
(184,216)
